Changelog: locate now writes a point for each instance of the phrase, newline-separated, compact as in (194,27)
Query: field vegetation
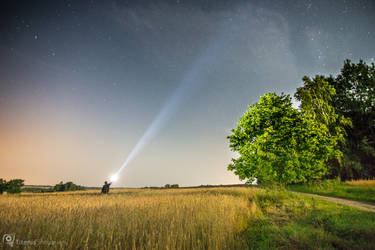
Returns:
(361,183)
(191,218)
(362,190)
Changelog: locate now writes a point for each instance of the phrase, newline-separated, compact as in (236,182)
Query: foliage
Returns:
(335,127)
(316,100)
(68,186)
(278,143)
(355,99)
(316,97)
(14,186)
(171,186)
(36,189)
(3,185)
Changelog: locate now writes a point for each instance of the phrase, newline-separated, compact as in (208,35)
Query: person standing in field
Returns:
(105,188)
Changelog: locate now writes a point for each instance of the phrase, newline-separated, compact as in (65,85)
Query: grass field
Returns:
(362,183)
(199,218)
(362,190)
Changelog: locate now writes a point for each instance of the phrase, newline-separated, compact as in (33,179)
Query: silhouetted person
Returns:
(105,188)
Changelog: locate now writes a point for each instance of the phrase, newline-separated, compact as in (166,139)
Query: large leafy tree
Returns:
(316,98)
(355,99)
(278,143)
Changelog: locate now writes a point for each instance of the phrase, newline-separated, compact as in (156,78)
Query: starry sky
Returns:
(82,81)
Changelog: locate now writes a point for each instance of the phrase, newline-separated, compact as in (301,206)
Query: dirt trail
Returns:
(362,205)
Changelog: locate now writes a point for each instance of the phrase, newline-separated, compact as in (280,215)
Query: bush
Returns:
(68,186)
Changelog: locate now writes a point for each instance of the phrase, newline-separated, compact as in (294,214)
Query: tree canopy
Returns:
(14,186)
(68,186)
(331,134)
(278,143)
(316,100)
(355,100)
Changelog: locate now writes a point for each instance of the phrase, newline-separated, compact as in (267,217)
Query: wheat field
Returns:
(204,218)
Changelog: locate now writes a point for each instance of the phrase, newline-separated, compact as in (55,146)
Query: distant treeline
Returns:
(37,189)
(165,186)
(17,186)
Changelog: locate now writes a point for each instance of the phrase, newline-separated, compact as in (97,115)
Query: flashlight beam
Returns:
(188,84)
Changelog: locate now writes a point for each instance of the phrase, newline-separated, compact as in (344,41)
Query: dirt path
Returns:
(362,205)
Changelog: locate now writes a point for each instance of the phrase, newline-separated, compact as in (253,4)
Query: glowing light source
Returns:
(114,178)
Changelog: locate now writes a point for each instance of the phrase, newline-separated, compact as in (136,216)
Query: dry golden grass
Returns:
(367,183)
(209,218)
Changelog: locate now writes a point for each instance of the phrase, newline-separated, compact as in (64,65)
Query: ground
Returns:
(192,218)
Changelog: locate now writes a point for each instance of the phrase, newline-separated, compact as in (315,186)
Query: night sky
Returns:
(82,81)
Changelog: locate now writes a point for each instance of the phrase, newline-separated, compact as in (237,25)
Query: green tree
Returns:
(14,186)
(355,99)
(278,143)
(316,100)
(3,185)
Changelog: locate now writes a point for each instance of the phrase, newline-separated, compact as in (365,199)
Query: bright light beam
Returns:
(182,92)
(114,178)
